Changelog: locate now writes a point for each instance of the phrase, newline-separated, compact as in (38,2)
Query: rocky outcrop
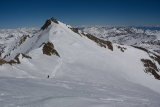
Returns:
(121,48)
(45,26)
(48,22)
(152,55)
(100,42)
(150,67)
(143,49)
(75,30)
(16,60)
(2,62)
(22,39)
(49,50)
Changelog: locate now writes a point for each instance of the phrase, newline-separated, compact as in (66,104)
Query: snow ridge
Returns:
(88,71)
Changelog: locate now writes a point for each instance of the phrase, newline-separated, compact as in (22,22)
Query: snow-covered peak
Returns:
(64,52)
(48,23)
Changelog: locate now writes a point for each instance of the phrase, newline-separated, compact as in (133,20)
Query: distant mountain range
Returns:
(144,37)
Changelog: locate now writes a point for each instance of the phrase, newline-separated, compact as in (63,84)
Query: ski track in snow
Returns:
(58,66)
(86,75)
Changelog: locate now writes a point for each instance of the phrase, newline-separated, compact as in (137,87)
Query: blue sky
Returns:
(31,13)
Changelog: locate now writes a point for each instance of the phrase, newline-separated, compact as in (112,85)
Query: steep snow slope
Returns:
(95,72)
(84,60)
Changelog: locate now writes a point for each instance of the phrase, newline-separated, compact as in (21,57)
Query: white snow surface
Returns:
(85,74)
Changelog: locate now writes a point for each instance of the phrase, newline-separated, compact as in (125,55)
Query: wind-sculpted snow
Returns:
(23,92)
(62,66)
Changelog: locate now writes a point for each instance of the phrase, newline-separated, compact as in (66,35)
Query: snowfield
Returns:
(84,73)
(24,92)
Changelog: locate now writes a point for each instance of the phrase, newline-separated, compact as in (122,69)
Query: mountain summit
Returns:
(48,23)
(62,52)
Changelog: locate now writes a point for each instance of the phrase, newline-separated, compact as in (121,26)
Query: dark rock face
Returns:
(54,20)
(49,50)
(121,48)
(48,22)
(155,57)
(150,67)
(45,26)
(75,30)
(2,62)
(15,60)
(143,49)
(26,56)
(100,42)
(23,39)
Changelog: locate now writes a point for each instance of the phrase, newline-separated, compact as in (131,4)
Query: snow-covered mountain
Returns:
(61,66)
(146,38)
